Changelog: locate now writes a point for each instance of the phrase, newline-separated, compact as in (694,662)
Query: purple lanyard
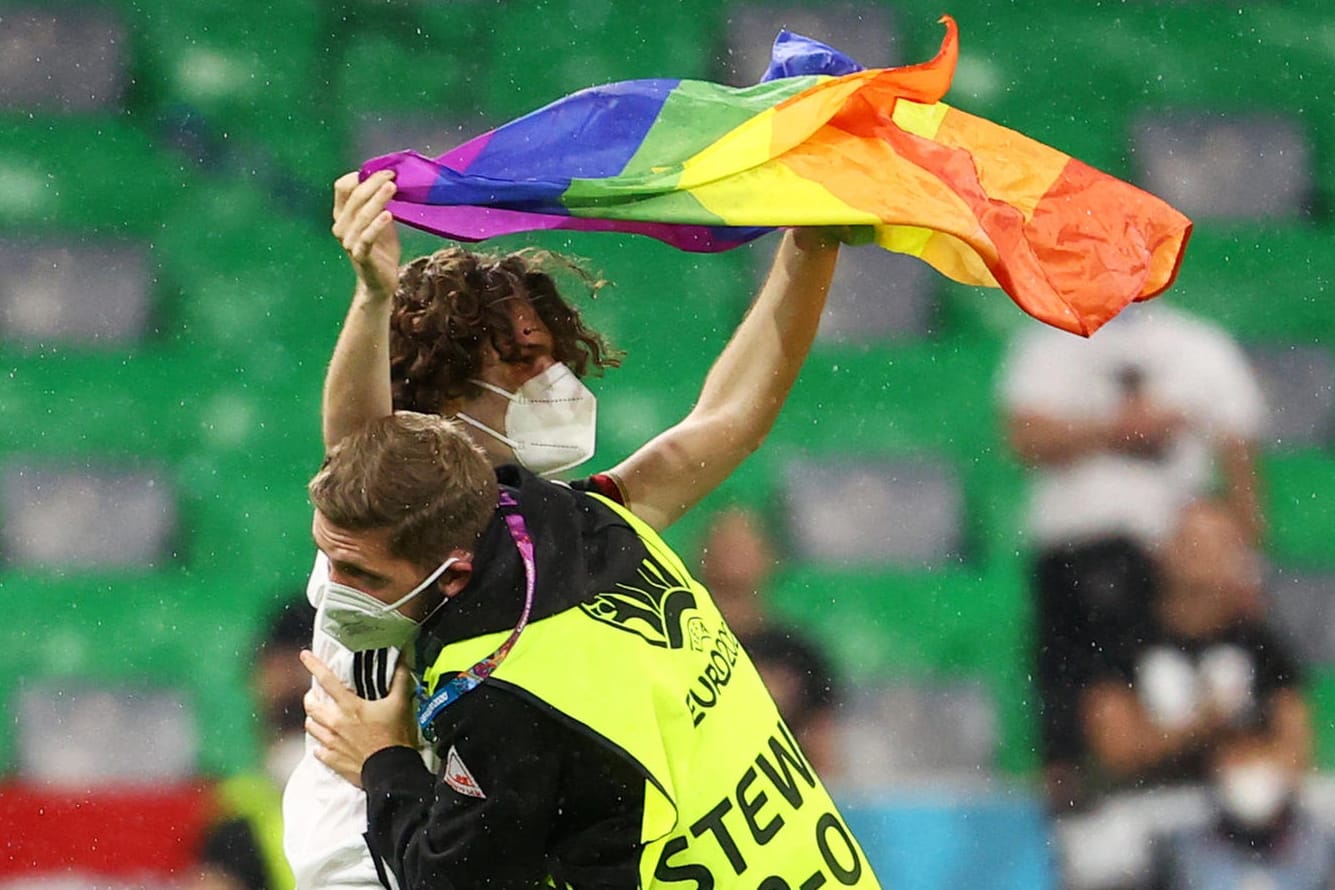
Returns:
(466,681)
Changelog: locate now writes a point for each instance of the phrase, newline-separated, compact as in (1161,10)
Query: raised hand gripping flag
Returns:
(819,142)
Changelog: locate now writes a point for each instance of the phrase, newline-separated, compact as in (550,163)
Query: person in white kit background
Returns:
(1120,432)
(488,340)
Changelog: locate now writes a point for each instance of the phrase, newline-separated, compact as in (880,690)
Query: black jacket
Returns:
(524,792)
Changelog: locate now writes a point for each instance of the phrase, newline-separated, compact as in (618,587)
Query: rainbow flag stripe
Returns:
(820,142)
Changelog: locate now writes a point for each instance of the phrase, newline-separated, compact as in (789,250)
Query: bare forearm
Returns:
(743,392)
(1242,485)
(357,387)
(1128,743)
(1039,440)
(1292,729)
(752,377)
(1134,755)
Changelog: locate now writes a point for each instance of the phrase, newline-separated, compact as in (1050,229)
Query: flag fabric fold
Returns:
(820,141)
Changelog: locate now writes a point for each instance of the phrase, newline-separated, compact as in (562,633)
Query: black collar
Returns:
(580,548)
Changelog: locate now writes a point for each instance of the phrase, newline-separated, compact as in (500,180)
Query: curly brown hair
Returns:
(451,302)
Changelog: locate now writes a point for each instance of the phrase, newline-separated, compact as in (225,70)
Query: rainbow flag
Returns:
(820,141)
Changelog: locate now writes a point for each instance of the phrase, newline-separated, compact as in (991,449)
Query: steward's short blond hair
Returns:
(418,475)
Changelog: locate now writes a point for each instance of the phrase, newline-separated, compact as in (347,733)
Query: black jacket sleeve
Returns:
(486,820)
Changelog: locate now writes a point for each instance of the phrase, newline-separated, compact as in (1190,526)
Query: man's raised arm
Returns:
(744,389)
(356,386)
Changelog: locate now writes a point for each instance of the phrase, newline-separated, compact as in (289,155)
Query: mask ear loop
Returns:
(505,394)
(477,424)
(466,681)
(393,607)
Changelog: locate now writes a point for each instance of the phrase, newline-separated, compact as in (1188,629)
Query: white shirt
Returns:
(324,815)
(1185,364)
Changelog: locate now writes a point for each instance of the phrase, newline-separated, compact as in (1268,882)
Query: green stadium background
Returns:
(239,117)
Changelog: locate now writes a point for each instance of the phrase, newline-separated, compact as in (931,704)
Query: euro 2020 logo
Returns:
(656,611)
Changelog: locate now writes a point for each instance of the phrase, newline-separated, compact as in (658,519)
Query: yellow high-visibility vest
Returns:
(255,799)
(652,668)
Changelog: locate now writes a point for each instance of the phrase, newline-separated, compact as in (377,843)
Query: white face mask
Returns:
(1254,793)
(550,423)
(360,621)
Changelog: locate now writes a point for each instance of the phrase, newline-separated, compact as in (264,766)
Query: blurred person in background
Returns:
(1207,668)
(489,340)
(1258,834)
(1119,432)
(736,561)
(1204,670)
(243,850)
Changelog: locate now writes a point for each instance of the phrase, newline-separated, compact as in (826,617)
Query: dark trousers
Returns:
(1090,599)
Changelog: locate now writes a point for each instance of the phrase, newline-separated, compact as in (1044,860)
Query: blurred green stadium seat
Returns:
(951,623)
(63,58)
(385,73)
(249,92)
(585,43)
(93,733)
(420,90)
(914,730)
(1321,696)
(1300,495)
(1298,383)
(98,173)
(934,395)
(88,514)
(1211,165)
(75,291)
(1264,283)
(1301,607)
(171,628)
(866,31)
(872,510)
(97,403)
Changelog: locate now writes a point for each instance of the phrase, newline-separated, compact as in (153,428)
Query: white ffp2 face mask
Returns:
(360,622)
(550,423)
